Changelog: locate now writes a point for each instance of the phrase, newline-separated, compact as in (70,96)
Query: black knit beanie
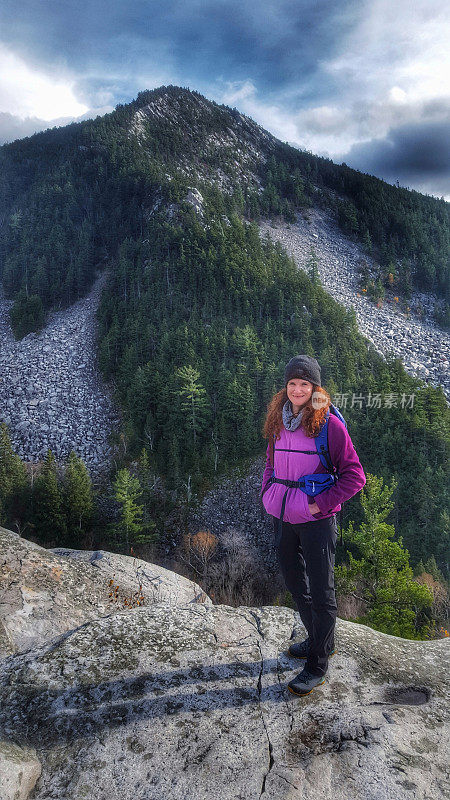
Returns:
(302,367)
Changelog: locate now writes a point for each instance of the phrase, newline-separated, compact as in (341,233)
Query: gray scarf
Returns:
(290,422)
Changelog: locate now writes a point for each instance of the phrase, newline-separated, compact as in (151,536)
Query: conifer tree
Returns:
(193,399)
(127,491)
(13,481)
(238,413)
(148,479)
(312,267)
(432,568)
(27,314)
(169,455)
(48,514)
(367,241)
(149,482)
(78,496)
(395,601)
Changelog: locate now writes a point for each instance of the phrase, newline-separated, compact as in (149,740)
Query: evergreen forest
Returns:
(201,315)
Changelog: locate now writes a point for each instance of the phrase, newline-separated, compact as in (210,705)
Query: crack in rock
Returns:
(271,759)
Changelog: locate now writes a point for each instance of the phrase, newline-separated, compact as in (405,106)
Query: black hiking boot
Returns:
(305,682)
(300,649)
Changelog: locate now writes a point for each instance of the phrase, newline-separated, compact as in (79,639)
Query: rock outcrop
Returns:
(44,594)
(190,700)
(19,771)
(240,144)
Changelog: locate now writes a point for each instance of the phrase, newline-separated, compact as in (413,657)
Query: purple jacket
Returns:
(291,465)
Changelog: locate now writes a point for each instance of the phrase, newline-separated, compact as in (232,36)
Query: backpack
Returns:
(315,483)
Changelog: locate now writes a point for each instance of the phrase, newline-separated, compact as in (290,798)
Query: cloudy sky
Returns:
(360,81)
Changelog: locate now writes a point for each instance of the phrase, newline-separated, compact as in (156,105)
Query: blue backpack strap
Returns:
(322,448)
(334,410)
(321,441)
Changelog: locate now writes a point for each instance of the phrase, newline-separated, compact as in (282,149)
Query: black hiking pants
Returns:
(306,553)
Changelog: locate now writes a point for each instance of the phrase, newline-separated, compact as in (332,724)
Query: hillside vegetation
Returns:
(200,316)
(69,196)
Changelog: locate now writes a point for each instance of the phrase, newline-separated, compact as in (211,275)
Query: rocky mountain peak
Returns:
(208,134)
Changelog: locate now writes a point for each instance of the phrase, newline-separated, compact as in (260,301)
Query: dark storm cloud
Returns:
(275,41)
(315,72)
(415,155)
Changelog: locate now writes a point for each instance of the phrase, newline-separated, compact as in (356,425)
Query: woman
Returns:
(305,527)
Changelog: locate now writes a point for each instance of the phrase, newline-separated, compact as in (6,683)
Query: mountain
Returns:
(200,313)
(69,196)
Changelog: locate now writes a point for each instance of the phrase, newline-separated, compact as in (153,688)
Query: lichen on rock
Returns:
(191,700)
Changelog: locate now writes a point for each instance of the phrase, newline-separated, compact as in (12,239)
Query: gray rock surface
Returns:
(243,143)
(422,346)
(51,392)
(191,702)
(194,197)
(157,583)
(44,594)
(19,771)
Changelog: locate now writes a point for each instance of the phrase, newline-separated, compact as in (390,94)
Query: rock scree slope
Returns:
(51,392)
(422,346)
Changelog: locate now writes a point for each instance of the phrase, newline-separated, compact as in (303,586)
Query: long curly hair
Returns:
(312,418)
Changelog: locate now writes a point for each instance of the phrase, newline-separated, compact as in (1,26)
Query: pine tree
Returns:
(27,314)
(78,497)
(432,568)
(149,482)
(13,482)
(194,403)
(367,241)
(127,490)
(312,267)
(48,514)
(395,601)
(238,413)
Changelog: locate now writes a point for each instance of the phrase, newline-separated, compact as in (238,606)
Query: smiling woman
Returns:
(305,526)
(299,392)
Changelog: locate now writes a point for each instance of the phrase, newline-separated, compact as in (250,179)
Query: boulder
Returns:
(191,702)
(195,198)
(157,582)
(44,594)
(19,771)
